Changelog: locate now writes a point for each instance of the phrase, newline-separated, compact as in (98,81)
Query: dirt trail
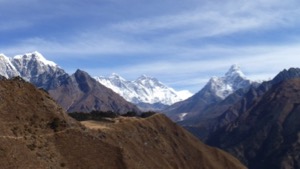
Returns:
(48,134)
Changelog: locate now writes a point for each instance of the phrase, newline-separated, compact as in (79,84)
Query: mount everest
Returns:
(143,90)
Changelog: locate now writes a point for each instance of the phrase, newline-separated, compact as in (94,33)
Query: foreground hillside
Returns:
(36,133)
(157,142)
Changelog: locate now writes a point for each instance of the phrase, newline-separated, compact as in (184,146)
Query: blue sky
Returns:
(180,42)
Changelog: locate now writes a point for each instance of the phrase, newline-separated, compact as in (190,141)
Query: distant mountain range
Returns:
(256,122)
(78,92)
(146,92)
(37,133)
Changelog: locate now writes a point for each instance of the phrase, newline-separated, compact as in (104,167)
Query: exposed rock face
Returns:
(32,65)
(266,134)
(286,74)
(81,93)
(36,133)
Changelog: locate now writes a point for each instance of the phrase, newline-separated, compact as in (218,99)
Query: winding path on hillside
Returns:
(48,134)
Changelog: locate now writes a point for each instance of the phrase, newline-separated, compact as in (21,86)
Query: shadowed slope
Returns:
(266,135)
(82,93)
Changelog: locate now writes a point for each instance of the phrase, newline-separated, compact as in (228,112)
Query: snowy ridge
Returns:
(143,90)
(31,65)
(233,80)
(7,69)
(35,56)
(28,66)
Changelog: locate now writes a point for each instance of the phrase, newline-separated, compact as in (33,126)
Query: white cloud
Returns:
(262,64)
(210,21)
(166,39)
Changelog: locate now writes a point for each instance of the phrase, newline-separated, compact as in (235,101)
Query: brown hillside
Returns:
(157,142)
(36,133)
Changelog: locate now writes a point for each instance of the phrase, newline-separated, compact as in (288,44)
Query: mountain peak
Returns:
(79,71)
(144,89)
(3,57)
(116,76)
(233,80)
(6,67)
(32,65)
(35,56)
(82,74)
(144,77)
(235,67)
(149,82)
(286,74)
(234,71)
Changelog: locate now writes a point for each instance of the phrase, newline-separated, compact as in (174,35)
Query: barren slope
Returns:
(36,133)
(157,142)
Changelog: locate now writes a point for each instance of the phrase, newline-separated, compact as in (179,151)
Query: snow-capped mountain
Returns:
(7,69)
(143,90)
(78,92)
(233,80)
(27,66)
(216,90)
(31,65)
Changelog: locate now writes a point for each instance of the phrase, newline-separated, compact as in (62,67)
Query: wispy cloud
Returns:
(182,46)
(195,73)
(214,21)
